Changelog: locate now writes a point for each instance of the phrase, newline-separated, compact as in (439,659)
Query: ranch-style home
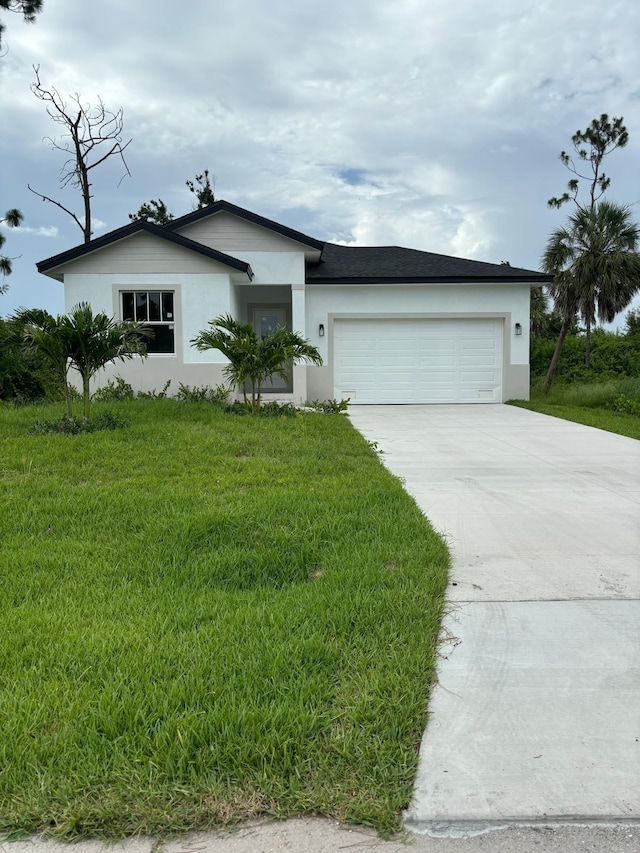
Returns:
(393,325)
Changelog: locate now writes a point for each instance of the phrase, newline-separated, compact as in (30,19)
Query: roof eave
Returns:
(536,281)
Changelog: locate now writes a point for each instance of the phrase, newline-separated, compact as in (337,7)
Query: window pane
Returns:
(154,306)
(269,323)
(163,339)
(167,306)
(127,307)
(141,307)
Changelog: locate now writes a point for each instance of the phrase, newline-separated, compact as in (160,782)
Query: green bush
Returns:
(76,426)
(24,377)
(155,395)
(272,409)
(627,405)
(612,357)
(329,407)
(114,391)
(202,394)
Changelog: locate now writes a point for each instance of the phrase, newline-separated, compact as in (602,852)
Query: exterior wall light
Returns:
(518,328)
(321,330)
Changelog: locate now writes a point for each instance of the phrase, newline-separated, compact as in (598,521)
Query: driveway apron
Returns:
(536,714)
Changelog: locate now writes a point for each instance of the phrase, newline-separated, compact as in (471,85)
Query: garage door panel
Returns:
(418,361)
(487,359)
(476,377)
(432,361)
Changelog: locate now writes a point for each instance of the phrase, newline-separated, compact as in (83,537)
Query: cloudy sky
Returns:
(433,124)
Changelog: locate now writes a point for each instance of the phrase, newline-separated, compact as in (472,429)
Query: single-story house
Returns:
(393,325)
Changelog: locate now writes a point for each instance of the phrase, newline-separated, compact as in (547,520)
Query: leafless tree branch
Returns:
(57,204)
(88,130)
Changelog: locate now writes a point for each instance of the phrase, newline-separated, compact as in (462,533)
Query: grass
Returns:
(590,403)
(206,618)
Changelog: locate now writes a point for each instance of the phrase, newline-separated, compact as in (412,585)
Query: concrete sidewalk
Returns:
(536,716)
(318,835)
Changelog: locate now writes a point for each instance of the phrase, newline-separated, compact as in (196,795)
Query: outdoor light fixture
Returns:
(321,330)
(518,328)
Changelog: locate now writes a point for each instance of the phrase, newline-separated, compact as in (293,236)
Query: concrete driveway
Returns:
(536,716)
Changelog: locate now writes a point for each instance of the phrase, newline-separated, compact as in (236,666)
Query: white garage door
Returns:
(418,361)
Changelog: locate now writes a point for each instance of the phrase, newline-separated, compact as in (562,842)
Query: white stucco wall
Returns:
(453,299)
(198,299)
(276,267)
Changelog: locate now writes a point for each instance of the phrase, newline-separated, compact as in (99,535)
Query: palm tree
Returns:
(84,341)
(597,267)
(43,335)
(254,359)
(95,340)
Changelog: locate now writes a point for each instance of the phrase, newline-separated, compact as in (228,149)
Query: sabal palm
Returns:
(596,263)
(254,359)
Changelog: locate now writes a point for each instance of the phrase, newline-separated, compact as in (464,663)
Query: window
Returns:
(154,308)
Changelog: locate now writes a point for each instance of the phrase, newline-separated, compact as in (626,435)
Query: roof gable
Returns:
(50,265)
(248,216)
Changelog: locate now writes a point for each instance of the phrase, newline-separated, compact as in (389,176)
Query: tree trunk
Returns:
(566,323)
(587,348)
(67,398)
(86,397)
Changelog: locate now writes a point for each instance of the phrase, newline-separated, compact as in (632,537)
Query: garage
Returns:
(418,360)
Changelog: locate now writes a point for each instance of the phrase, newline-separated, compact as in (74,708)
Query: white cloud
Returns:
(42,231)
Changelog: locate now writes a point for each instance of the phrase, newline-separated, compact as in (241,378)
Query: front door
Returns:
(265,322)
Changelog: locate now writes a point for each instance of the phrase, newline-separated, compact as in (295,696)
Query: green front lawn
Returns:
(601,418)
(611,405)
(207,617)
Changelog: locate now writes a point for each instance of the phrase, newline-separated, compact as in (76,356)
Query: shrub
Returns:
(76,426)
(155,395)
(204,394)
(612,357)
(627,405)
(114,391)
(272,409)
(24,376)
(329,407)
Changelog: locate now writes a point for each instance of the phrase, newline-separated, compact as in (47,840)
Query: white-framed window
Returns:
(154,308)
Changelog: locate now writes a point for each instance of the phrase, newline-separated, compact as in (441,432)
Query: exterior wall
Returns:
(144,253)
(324,303)
(152,373)
(198,299)
(272,268)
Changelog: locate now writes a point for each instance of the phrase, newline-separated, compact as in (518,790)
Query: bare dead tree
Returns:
(92,134)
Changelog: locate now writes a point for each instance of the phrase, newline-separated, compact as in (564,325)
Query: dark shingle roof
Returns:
(394,265)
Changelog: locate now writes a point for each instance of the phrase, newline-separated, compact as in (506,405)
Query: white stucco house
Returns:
(393,325)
